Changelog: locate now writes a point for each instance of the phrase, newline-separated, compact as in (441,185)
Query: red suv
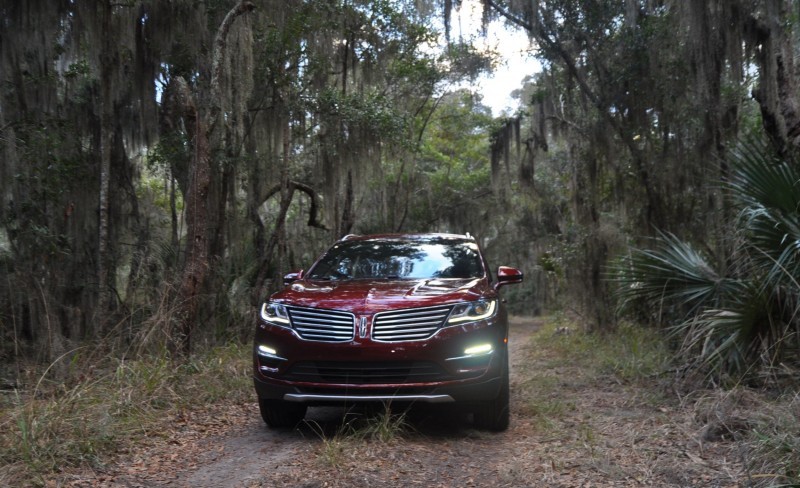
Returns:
(387,318)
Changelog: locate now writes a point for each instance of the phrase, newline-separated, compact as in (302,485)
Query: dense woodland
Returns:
(164,163)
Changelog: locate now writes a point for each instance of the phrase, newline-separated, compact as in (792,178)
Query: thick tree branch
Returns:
(313,212)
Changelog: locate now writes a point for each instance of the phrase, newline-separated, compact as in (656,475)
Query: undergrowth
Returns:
(82,410)
(764,423)
(563,357)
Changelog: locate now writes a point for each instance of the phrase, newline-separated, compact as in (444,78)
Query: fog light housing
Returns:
(268,359)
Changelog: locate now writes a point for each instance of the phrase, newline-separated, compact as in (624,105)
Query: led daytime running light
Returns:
(266,351)
(480,349)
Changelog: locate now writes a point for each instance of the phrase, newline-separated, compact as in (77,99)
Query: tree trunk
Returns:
(103,291)
(777,90)
(271,245)
(196,265)
(197,198)
(348,215)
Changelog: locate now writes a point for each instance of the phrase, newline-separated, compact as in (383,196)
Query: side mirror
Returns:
(507,276)
(292,277)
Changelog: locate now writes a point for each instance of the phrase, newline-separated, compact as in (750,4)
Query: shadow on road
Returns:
(368,420)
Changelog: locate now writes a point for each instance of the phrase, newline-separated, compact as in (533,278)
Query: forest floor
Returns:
(573,425)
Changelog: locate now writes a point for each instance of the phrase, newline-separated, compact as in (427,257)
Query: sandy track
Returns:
(604,436)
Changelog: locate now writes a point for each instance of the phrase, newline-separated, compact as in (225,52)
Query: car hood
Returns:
(372,296)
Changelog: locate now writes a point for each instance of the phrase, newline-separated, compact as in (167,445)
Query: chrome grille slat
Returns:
(434,324)
(314,315)
(406,337)
(394,316)
(314,320)
(317,324)
(332,330)
(410,324)
(327,326)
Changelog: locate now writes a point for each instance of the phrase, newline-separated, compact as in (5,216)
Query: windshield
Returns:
(399,259)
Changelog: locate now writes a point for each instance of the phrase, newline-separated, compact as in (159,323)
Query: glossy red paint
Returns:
(507,275)
(463,359)
(371,296)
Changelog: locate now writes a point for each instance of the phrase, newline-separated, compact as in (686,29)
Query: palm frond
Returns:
(768,190)
(673,274)
(723,340)
(761,179)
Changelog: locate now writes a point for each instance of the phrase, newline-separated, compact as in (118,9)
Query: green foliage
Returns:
(743,319)
(453,167)
(629,353)
(768,190)
(155,189)
(466,61)
(371,112)
(673,275)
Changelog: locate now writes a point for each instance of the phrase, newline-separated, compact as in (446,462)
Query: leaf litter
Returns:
(596,432)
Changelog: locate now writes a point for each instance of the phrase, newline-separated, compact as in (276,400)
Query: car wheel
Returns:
(278,413)
(495,415)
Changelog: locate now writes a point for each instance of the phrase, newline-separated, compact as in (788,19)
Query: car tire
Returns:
(281,414)
(495,415)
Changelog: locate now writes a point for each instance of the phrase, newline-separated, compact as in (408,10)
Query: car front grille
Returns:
(315,324)
(366,373)
(410,324)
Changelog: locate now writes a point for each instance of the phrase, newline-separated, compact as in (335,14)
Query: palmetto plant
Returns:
(746,317)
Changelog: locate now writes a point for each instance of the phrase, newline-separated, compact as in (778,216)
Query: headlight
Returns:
(470,311)
(275,313)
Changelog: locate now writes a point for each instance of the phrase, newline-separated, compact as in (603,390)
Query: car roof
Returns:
(408,237)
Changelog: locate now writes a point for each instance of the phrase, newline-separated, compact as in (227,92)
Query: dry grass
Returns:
(613,402)
(600,410)
(383,426)
(765,426)
(102,406)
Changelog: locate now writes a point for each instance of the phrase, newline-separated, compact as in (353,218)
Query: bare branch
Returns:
(220,46)
(510,17)
(313,212)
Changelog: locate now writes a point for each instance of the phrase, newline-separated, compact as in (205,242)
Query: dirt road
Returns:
(598,433)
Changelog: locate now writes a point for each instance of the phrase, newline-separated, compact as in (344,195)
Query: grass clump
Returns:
(357,431)
(81,417)
(765,426)
(774,442)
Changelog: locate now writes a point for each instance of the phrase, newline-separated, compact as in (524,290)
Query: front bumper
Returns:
(363,370)
(460,393)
